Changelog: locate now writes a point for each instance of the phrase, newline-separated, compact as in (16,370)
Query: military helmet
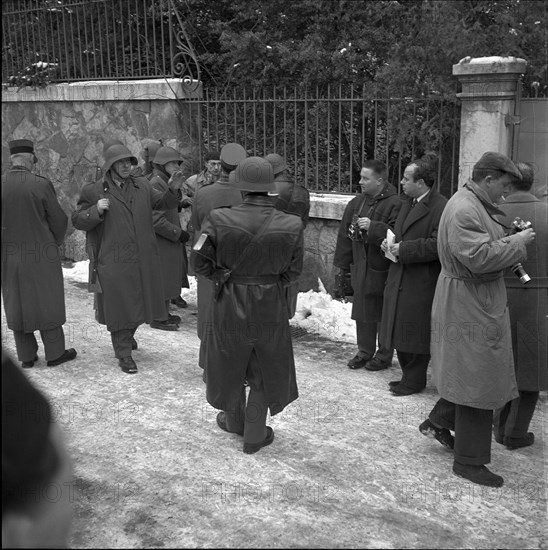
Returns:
(165,155)
(278,163)
(152,148)
(110,142)
(253,174)
(231,155)
(115,153)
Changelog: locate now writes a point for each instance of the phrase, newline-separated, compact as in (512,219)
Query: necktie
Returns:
(414,203)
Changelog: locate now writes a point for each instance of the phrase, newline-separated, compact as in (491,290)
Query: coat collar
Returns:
(259,200)
(521,196)
(418,211)
(483,198)
(19,168)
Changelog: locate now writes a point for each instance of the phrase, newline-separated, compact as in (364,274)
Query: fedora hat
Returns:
(165,155)
(115,153)
(22,146)
(253,174)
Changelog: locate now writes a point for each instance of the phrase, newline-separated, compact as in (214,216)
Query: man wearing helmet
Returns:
(116,213)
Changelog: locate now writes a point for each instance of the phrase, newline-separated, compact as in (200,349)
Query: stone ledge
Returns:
(108,90)
(328,206)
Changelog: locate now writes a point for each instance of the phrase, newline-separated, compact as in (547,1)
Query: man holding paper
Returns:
(362,230)
(412,277)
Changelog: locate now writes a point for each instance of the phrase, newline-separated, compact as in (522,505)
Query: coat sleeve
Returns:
(162,226)
(163,200)
(56,218)
(86,216)
(377,229)
(471,244)
(296,265)
(343,249)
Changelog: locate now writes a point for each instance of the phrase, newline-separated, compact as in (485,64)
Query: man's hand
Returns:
(364,223)
(102,205)
(395,249)
(176,180)
(384,246)
(528,235)
(183,237)
(187,201)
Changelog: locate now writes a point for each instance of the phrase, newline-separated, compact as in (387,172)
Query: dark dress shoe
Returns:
(29,364)
(134,344)
(250,448)
(376,364)
(127,364)
(443,435)
(179,302)
(164,325)
(68,355)
(358,361)
(221,422)
(513,443)
(394,383)
(175,319)
(400,390)
(478,474)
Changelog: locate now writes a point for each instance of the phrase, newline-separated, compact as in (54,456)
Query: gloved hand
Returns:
(183,237)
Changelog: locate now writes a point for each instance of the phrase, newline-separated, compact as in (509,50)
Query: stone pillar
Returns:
(489,86)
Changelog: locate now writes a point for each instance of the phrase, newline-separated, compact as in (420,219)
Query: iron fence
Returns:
(66,40)
(325,135)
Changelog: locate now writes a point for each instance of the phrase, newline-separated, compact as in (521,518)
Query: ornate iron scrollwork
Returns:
(184,64)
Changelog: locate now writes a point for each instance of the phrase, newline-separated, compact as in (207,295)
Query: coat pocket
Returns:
(375,281)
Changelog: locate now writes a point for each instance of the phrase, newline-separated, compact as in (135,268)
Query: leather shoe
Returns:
(134,344)
(29,364)
(398,389)
(478,474)
(128,365)
(376,364)
(68,355)
(221,422)
(250,448)
(179,302)
(394,383)
(513,443)
(175,319)
(358,361)
(443,435)
(164,325)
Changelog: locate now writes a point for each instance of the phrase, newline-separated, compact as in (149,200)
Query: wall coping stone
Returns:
(328,205)
(108,90)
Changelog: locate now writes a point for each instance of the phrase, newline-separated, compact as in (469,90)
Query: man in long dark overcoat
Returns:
(412,279)
(33,228)
(171,237)
(363,227)
(258,251)
(116,213)
(528,307)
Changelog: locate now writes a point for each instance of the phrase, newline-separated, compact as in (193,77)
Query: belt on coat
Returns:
(484,279)
(257,280)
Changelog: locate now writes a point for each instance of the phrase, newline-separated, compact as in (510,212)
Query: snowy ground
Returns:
(317,312)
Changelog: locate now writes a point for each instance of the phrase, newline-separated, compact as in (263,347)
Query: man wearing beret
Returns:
(471,347)
(252,251)
(208,197)
(33,228)
(125,265)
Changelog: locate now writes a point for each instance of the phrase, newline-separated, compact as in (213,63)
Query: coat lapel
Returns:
(416,213)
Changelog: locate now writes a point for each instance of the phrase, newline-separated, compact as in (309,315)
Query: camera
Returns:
(519,225)
(354,231)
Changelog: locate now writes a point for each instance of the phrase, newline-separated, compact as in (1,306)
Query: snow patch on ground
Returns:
(317,312)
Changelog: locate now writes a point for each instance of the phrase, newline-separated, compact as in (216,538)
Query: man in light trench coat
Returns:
(471,348)
(125,265)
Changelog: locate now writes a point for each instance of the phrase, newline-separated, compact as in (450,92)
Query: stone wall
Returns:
(69,124)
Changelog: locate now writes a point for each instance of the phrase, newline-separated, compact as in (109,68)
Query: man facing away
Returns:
(363,228)
(472,363)
(33,229)
(252,251)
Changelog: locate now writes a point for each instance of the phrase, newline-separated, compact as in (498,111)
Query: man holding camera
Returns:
(362,230)
(471,348)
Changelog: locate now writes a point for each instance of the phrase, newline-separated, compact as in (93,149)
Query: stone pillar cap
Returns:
(489,65)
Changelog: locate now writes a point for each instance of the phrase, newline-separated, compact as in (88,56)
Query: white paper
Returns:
(390,239)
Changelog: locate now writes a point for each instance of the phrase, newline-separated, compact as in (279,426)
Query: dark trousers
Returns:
(514,418)
(166,315)
(122,340)
(366,336)
(250,417)
(414,367)
(27,346)
(472,430)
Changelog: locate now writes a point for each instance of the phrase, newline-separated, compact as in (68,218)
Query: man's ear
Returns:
(17,530)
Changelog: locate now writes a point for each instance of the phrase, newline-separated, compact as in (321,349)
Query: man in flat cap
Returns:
(208,197)
(125,266)
(33,229)
(471,347)
(256,251)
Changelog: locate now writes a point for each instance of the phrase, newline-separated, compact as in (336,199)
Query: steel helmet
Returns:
(151,149)
(110,142)
(278,163)
(117,152)
(165,155)
(253,174)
